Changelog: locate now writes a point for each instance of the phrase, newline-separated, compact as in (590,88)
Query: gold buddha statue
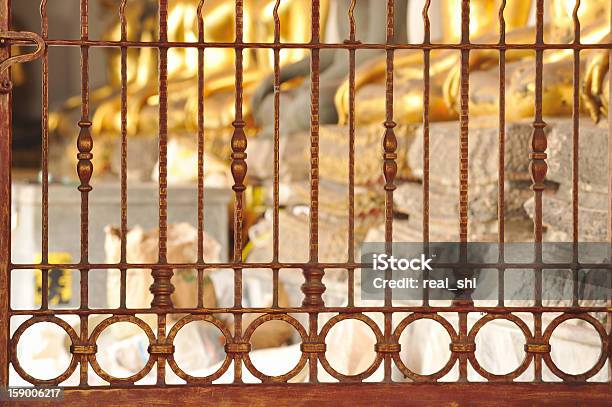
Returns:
(558,86)
(218,16)
(219,69)
(484,28)
(596,86)
(140,20)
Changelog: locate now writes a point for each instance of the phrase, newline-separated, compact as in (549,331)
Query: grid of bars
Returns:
(161,349)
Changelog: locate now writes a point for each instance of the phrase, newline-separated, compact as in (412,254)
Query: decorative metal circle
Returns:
(247,337)
(603,336)
(170,340)
(94,338)
(375,364)
(522,367)
(15,341)
(400,363)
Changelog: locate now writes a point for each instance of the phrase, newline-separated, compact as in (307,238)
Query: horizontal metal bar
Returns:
(204,265)
(347,45)
(280,265)
(305,310)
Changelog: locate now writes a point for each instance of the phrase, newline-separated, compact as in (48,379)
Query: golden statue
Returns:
(370,18)
(596,87)
(484,28)
(140,18)
(219,70)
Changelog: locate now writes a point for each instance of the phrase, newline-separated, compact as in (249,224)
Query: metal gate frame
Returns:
(426,390)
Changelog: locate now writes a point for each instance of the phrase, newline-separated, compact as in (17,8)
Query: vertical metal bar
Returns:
(389,139)
(276,192)
(314,138)
(389,171)
(463,168)
(537,157)
(464,122)
(162,287)
(85,171)
(351,169)
(239,170)
(501,188)
(610,200)
(575,152)
(163,130)
(538,169)
(426,109)
(124,153)
(200,14)
(161,358)
(45,159)
(5,200)
(84,141)
(313,288)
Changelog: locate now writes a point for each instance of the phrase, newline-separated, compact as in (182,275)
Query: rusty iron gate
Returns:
(424,389)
